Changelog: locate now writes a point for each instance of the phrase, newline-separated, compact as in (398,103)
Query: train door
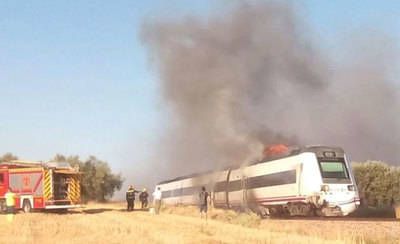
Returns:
(220,192)
(227,189)
(244,189)
(299,172)
(180,193)
(235,189)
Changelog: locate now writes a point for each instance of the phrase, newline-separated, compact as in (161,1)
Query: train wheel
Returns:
(277,212)
(26,206)
(264,212)
(319,213)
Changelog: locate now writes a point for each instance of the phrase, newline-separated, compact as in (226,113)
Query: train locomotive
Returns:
(307,181)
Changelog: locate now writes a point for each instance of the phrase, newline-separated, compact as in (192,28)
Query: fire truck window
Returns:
(1,179)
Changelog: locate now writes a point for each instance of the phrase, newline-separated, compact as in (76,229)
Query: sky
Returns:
(75,78)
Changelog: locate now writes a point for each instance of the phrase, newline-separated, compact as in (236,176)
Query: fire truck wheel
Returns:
(2,206)
(26,206)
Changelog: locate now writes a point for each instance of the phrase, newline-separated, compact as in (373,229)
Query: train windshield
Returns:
(334,170)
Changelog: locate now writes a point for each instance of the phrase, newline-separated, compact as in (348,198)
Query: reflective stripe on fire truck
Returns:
(74,189)
(48,186)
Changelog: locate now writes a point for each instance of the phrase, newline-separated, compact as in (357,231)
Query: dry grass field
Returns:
(110,223)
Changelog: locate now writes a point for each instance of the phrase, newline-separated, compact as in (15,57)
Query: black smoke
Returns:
(254,75)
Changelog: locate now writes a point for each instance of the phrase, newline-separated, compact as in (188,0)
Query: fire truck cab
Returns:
(40,185)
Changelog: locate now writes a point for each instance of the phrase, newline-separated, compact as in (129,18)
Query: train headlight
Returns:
(351,188)
(325,188)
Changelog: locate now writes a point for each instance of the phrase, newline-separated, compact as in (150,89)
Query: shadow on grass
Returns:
(96,210)
(374,212)
(92,211)
(135,210)
(78,211)
(363,213)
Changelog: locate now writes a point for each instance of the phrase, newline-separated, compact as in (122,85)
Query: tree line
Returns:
(98,182)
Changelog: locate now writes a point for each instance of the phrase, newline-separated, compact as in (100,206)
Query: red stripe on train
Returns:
(279,199)
(271,199)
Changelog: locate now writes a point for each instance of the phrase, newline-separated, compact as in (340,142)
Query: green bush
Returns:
(378,183)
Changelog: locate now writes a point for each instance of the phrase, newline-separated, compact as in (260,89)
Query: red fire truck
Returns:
(39,185)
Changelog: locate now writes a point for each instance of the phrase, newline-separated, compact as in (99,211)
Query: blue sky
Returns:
(75,78)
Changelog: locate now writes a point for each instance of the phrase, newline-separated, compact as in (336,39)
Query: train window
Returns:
(220,186)
(177,192)
(1,179)
(275,179)
(190,190)
(235,185)
(334,170)
(166,194)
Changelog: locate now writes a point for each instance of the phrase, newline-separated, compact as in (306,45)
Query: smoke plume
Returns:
(254,76)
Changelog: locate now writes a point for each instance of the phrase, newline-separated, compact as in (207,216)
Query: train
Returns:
(303,181)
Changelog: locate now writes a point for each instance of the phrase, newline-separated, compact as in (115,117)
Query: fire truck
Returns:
(40,186)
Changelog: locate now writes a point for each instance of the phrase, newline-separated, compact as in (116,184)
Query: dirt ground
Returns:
(110,223)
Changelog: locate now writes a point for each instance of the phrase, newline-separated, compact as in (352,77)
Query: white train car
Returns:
(315,180)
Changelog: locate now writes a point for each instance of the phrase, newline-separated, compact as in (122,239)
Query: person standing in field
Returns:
(143,197)
(130,198)
(203,197)
(157,200)
(10,201)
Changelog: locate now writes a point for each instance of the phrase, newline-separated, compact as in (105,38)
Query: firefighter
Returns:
(130,198)
(143,197)
(10,201)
